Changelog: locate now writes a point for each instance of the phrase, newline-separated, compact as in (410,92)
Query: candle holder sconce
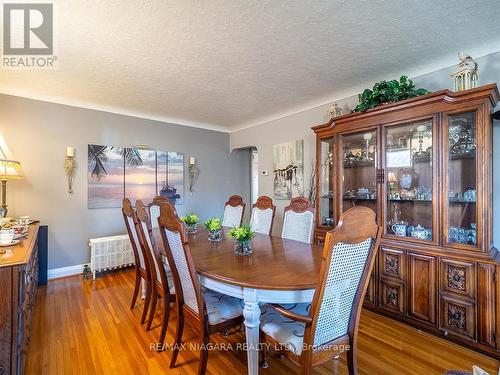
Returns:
(70,167)
(192,172)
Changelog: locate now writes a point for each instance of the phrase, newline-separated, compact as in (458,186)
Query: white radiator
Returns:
(107,253)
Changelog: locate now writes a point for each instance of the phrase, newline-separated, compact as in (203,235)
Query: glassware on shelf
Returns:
(462,192)
(361,149)
(409,180)
(359,173)
(326,182)
(421,233)
(463,235)
(462,135)
(422,152)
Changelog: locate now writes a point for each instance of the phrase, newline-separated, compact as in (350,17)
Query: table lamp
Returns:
(9,170)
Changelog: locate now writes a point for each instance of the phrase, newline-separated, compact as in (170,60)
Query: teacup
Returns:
(6,236)
(23,220)
(18,229)
(399,230)
(421,233)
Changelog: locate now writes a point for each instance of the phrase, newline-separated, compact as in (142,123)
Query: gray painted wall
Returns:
(298,126)
(37,134)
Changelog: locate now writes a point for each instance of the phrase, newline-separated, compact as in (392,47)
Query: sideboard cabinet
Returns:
(424,166)
(19,279)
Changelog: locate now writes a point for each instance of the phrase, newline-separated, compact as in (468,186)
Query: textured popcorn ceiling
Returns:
(227,64)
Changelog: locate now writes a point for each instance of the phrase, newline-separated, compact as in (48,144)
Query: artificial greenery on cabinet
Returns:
(388,92)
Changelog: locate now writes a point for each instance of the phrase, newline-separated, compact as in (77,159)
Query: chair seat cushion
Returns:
(221,307)
(286,331)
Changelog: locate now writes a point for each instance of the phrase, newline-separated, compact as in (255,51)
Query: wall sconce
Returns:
(192,172)
(70,167)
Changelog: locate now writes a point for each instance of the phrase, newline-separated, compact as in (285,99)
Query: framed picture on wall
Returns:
(288,169)
(115,173)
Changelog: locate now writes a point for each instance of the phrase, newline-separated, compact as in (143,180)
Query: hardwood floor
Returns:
(86,327)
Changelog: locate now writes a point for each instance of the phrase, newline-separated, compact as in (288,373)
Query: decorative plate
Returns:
(14,242)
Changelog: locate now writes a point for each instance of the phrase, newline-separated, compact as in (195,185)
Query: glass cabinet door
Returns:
(359,180)
(409,208)
(326,188)
(461,194)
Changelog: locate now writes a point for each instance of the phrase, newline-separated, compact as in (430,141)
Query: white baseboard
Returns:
(65,271)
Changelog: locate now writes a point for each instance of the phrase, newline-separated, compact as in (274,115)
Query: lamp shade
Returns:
(391,177)
(10,169)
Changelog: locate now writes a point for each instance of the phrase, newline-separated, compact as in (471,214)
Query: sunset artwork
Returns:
(115,173)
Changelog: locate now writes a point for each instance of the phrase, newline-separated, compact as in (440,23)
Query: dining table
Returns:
(279,270)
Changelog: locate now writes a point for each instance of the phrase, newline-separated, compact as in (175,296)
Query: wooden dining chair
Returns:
(142,271)
(233,211)
(262,218)
(161,275)
(154,209)
(298,220)
(206,311)
(311,334)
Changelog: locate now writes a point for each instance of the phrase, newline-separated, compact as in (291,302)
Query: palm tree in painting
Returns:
(132,156)
(97,159)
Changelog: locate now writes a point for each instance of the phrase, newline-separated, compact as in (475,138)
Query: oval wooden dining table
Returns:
(278,271)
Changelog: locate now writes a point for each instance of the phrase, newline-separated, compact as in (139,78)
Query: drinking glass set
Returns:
(467,196)
(463,235)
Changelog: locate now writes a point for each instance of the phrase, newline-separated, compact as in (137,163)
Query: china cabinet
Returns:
(424,166)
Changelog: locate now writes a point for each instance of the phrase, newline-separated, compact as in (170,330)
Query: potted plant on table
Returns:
(214,227)
(243,236)
(191,221)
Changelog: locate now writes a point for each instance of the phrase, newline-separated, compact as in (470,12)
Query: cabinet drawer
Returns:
(458,277)
(392,263)
(392,295)
(458,317)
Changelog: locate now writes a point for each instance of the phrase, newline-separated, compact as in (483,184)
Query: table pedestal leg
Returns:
(251,313)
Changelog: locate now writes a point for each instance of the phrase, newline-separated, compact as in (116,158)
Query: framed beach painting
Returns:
(115,173)
(288,169)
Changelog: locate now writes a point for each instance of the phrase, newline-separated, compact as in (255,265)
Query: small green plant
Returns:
(243,233)
(388,92)
(190,219)
(86,271)
(214,224)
